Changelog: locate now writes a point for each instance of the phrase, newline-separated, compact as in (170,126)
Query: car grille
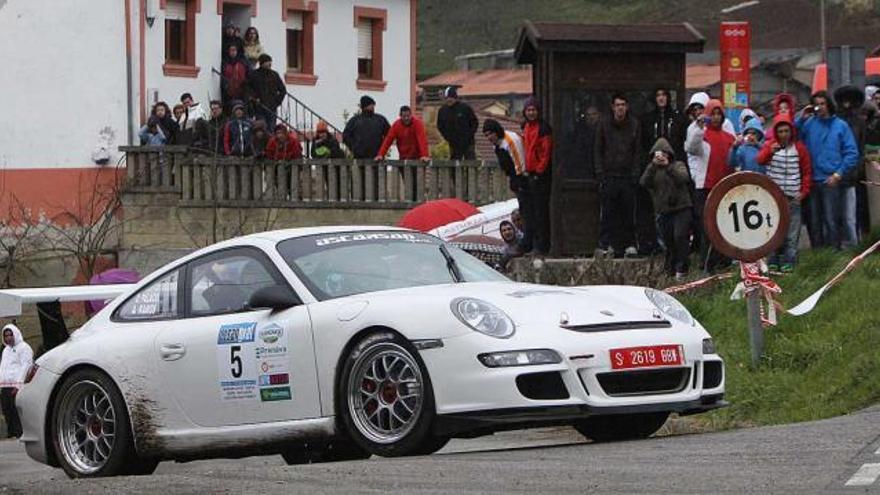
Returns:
(542,386)
(644,382)
(711,374)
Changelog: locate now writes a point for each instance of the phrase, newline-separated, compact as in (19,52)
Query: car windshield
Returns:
(348,263)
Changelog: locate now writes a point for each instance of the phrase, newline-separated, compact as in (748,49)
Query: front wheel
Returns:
(621,426)
(386,398)
(90,429)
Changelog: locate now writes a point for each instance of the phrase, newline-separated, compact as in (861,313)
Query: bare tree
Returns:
(22,235)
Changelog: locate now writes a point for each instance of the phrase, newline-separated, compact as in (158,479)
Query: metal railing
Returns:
(346,183)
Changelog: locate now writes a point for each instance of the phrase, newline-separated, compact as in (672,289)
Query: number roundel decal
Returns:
(746,216)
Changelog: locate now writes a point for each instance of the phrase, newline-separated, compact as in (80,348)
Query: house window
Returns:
(300,18)
(365,49)
(295,42)
(180,37)
(370,25)
(175,32)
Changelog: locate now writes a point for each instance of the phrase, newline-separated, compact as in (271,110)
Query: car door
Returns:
(226,364)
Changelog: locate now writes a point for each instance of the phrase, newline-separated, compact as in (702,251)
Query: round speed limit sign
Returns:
(746,216)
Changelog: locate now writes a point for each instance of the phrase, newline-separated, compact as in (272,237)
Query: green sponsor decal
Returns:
(274,393)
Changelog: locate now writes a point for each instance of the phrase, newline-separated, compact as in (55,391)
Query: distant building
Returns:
(83,74)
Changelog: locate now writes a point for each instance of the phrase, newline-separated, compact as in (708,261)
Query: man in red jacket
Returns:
(788,165)
(409,133)
(538,144)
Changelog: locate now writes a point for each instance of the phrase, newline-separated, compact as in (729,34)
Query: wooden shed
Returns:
(576,69)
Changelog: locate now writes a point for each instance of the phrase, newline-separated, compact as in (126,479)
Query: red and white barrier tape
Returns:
(696,284)
(753,279)
(11,384)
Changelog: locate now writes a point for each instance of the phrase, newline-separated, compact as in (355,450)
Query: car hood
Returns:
(544,305)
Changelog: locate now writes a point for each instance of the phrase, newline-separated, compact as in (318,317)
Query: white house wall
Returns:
(63,81)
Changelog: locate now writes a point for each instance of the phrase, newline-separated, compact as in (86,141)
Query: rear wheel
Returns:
(621,426)
(386,398)
(90,429)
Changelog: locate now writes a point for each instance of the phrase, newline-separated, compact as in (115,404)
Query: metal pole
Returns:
(822,29)
(756,330)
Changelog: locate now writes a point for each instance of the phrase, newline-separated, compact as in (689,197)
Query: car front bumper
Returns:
(471,396)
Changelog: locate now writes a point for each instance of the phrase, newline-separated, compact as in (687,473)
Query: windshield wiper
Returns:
(451,265)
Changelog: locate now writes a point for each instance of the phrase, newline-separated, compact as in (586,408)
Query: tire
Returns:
(90,429)
(621,427)
(386,401)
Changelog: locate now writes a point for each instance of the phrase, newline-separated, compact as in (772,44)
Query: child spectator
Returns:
(325,145)
(668,180)
(744,153)
(238,134)
(787,162)
(283,145)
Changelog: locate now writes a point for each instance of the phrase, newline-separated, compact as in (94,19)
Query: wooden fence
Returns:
(343,183)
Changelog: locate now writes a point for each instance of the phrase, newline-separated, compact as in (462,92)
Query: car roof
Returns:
(280,235)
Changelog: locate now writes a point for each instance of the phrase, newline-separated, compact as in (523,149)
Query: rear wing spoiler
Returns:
(11,300)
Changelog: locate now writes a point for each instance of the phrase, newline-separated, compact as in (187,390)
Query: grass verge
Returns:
(819,365)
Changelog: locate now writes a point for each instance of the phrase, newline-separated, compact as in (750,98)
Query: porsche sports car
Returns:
(339,343)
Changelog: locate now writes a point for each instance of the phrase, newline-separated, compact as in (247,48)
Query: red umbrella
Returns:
(437,213)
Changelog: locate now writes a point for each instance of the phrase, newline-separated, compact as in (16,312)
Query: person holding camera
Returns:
(668,181)
(833,154)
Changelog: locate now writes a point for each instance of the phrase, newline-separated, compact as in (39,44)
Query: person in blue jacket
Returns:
(744,153)
(834,154)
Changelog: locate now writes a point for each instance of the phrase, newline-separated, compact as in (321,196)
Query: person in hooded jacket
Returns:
(15,362)
(744,152)
(538,147)
(283,145)
(234,70)
(787,162)
(849,101)
(457,124)
(618,154)
(833,154)
(662,122)
(708,144)
(238,134)
(668,181)
(783,104)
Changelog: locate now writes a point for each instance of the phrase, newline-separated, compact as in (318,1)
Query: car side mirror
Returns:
(275,297)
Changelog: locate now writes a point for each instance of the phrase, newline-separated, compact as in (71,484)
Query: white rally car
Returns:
(341,342)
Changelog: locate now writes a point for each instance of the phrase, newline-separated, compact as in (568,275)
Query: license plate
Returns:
(646,357)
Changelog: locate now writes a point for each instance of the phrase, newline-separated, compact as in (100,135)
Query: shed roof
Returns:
(561,36)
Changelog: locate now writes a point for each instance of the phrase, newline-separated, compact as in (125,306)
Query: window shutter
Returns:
(365,39)
(175,10)
(295,20)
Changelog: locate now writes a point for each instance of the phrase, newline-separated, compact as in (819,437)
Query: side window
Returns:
(224,284)
(155,301)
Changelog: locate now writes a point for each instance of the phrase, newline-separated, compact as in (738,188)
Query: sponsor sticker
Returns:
(271,333)
(236,333)
(274,393)
(371,236)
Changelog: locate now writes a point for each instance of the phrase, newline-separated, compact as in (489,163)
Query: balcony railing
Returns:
(200,180)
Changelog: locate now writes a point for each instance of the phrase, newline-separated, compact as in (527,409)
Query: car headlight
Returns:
(669,306)
(529,357)
(483,317)
(708,346)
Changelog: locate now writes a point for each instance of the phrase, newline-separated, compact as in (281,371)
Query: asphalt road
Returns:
(816,457)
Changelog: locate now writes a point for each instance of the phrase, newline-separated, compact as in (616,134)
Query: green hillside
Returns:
(816,366)
(448,28)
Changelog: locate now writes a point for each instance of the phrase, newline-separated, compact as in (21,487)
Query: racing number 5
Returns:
(235,360)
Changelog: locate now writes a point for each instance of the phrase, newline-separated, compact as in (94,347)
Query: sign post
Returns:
(746,218)
(735,66)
